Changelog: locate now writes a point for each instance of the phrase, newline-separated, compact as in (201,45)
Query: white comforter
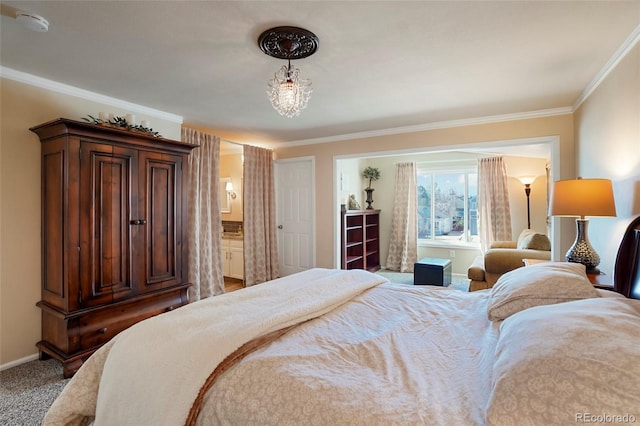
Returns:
(395,355)
(392,354)
(371,353)
(164,361)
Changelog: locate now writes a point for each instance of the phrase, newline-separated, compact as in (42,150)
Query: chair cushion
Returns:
(530,239)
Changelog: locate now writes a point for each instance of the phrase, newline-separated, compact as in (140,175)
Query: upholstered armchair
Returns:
(505,256)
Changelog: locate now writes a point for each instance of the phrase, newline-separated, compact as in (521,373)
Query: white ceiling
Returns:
(380,65)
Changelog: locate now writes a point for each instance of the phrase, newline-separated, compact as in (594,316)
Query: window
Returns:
(447,209)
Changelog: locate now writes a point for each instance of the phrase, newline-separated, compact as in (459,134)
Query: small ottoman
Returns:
(432,271)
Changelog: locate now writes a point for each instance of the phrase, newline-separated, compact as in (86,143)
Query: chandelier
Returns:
(287,91)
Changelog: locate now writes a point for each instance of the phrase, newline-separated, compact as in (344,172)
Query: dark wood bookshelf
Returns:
(360,241)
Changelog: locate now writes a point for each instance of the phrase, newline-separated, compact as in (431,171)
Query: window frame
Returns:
(439,168)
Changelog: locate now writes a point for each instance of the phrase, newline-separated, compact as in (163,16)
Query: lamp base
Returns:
(581,250)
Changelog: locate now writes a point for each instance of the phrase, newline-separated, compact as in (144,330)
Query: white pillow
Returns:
(540,284)
(558,364)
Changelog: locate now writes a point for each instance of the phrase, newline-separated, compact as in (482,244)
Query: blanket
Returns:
(164,361)
(394,355)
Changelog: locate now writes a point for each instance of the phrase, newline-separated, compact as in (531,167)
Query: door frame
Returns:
(558,228)
(311,160)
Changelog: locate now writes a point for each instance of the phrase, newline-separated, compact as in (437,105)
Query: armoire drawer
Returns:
(98,327)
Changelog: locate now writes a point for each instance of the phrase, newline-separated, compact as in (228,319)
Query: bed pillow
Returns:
(529,239)
(556,364)
(540,284)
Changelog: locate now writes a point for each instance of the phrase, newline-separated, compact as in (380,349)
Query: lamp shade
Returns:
(527,180)
(582,197)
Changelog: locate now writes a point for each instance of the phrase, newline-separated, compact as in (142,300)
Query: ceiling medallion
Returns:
(288,93)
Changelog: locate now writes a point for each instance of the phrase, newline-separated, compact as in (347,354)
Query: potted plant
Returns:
(373,174)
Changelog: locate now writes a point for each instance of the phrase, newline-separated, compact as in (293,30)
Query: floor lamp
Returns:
(527,181)
(580,198)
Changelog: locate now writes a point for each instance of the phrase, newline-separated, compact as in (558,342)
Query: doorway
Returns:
(348,181)
(295,214)
(232,214)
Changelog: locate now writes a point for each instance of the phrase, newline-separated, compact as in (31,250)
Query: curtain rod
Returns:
(233,142)
(211,134)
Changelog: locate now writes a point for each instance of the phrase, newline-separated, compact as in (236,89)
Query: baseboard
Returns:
(19,361)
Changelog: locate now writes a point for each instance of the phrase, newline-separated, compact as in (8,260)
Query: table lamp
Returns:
(582,197)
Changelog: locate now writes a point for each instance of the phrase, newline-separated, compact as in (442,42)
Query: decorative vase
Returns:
(369,199)
(581,251)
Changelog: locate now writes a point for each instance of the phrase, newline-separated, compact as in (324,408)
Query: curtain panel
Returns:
(494,213)
(204,221)
(403,243)
(260,245)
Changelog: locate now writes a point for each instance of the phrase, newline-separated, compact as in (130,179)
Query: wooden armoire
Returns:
(114,246)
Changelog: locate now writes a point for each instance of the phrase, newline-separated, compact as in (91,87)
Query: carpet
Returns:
(457,282)
(28,390)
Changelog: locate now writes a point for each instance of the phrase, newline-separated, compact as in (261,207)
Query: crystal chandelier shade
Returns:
(288,93)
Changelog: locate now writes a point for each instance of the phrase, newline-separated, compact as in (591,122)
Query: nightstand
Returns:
(600,281)
(529,262)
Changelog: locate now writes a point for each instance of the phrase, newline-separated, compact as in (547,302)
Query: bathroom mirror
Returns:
(225,198)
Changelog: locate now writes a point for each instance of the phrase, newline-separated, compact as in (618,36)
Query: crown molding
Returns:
(624,49)
(54,86)
(429,126)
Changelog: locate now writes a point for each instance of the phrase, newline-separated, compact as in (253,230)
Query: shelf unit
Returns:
(360,242)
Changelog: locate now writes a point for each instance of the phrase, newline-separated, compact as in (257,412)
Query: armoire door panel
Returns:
(53,226)
(160,207)
(106,194)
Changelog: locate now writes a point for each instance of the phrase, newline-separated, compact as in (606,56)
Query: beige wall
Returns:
(517,167)
(24,106)
(607,128)
(326,205)
(350,181)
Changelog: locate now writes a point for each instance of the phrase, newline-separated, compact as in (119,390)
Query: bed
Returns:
(543,346)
